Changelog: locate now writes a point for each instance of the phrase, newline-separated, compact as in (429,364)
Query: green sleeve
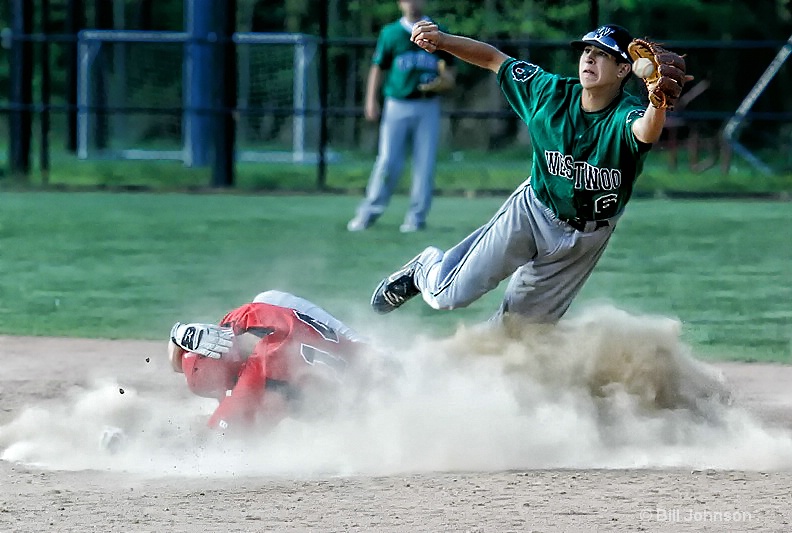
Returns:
(636,147)
(524,85)
(383,54)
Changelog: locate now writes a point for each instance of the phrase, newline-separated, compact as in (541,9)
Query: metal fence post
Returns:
(44,121)
(226,92)
(103,20)
(21,97)
(75,21)
(323,88)
(199,73)
(594,13)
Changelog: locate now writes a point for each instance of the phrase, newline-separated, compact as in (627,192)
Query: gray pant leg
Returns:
(547,259)
(286,299)
(425,139)
(486,257)
(393,131)
(542,291)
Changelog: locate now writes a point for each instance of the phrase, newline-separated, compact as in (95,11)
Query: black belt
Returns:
(585,225)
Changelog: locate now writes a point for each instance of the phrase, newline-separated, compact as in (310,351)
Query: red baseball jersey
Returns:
(294,351)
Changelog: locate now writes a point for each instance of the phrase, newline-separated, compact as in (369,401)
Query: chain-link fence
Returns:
(124,95)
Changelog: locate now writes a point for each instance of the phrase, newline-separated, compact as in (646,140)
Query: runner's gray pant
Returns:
(547,259)
(402,120)
(286,299)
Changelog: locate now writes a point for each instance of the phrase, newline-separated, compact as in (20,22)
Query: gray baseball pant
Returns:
(401,120)
(548,261)
(285,299)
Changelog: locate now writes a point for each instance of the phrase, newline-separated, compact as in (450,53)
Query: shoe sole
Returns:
(377,291)
(387,280)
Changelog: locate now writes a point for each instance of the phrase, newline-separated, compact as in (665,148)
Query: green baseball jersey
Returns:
(584,164)
(407,65)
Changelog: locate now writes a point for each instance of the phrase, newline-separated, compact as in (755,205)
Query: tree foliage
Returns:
(688,23)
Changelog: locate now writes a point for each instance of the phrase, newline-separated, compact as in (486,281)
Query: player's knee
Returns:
(441,302)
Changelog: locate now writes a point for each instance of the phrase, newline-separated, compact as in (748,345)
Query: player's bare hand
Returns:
(426,35)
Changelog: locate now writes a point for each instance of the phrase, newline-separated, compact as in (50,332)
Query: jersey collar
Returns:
(605,110)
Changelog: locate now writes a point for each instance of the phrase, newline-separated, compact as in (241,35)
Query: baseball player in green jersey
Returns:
(412,80)
(589,141)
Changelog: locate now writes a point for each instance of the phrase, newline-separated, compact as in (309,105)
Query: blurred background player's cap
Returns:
(611,38)
(207,377)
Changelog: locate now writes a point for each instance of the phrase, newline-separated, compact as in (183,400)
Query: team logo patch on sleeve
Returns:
(522,71)
(635,114)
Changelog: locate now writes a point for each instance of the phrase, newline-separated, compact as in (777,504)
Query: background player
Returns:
(589,139)
(266,360)
(413,79)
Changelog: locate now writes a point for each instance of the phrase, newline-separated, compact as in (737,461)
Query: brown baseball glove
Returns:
(666,82)
(444,81)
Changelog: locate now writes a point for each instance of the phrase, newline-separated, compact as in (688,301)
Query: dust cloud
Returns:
(603,389)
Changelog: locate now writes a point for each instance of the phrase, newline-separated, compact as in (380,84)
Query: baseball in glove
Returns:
(668,77)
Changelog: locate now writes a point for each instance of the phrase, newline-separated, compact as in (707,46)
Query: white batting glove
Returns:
(208,340)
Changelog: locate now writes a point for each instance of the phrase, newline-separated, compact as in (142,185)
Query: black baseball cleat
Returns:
(396,289)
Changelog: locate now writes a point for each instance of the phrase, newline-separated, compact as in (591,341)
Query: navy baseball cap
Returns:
(611,38)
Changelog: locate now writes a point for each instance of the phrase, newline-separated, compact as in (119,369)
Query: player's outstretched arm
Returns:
(649,127)
(428,36)
(664,74)
(372,109)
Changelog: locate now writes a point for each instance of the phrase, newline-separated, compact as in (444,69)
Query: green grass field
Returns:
(497,170)
(127,265)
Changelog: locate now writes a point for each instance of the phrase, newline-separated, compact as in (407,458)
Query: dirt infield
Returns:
(55,478)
